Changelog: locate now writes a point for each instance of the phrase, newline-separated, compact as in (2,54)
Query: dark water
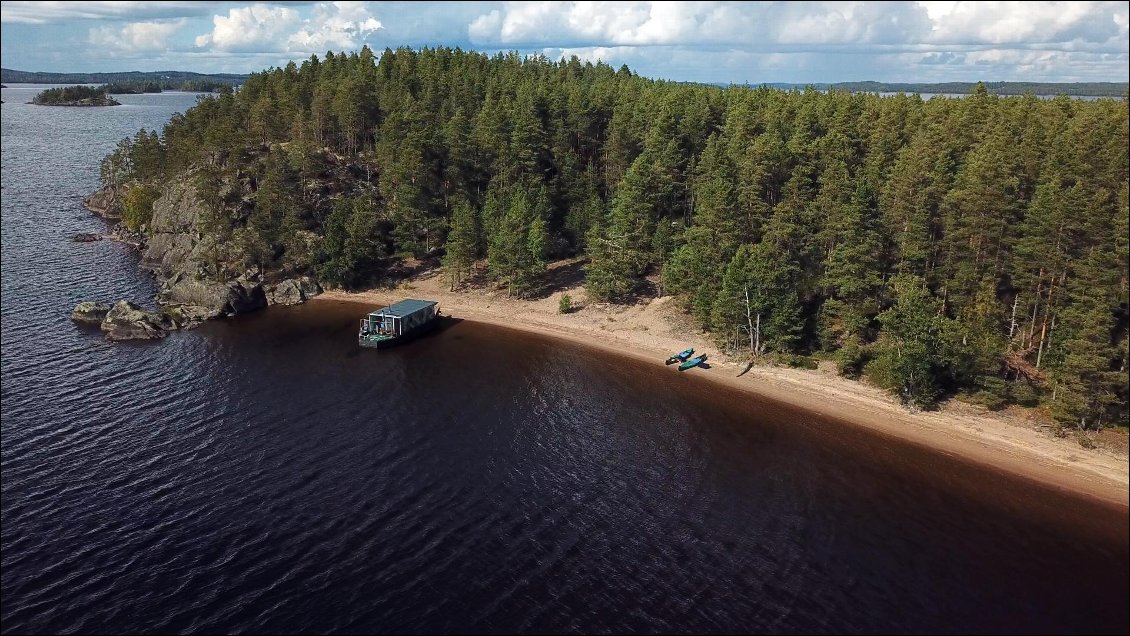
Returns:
(265,475)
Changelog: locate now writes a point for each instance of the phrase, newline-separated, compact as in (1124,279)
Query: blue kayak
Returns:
(680,357)
(693,362)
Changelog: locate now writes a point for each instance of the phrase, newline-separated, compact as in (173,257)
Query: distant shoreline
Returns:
(1112,90)
(646,333)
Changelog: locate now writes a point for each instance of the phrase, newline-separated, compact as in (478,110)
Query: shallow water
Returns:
(264,474)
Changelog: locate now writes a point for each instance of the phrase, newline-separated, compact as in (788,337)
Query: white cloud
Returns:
(707,41)
(263,28)
(827,41)
(701,23)
(256,27)
(485,27)
(137,36)
(44,12)
(808,25)
(334,26)
(1030,22)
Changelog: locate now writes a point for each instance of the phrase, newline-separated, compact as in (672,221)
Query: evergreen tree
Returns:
(757,304)
(908,352)
(462,243)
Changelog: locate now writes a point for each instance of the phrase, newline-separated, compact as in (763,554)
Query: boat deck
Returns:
(373,339)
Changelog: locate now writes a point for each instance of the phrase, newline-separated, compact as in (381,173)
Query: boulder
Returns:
(293,291)
(105,203)
(127,321)
(86,237)
(246,296)
(90,311)
(211,298)
(189,316)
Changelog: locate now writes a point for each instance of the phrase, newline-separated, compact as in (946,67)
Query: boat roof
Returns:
(404,308)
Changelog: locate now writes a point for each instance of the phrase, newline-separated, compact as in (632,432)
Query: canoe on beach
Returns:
(680,357)
(693,362)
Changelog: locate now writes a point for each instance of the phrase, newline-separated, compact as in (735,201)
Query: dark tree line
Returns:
(132,88)
(972,245)
(167,80)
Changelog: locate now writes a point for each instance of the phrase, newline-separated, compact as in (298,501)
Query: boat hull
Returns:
(679,357)
(692,363)
(387,343)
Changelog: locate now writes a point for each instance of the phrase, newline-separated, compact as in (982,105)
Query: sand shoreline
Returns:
(650,331)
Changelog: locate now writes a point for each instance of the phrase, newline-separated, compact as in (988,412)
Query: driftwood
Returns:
(1018,363)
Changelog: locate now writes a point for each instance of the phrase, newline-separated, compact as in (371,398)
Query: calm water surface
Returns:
(264,475)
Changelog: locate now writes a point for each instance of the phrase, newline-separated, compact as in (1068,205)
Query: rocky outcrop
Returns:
(105,202)
(127,321)
(123,234)
(174,244)
(86,237)
(188,316)
(293,291)
(213,298)
(198,274)
(90,312)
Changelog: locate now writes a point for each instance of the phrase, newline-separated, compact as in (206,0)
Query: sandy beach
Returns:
(1017,440)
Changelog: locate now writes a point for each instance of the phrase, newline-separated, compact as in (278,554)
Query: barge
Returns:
(397,323)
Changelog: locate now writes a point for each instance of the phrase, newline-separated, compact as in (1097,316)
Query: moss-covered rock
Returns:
(90,312)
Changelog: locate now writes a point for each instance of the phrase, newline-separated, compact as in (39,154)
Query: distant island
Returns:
(165,80)
(1075,89)
(133,88)
(75,96)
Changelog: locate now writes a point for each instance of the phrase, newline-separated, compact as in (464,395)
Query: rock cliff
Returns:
(200,278)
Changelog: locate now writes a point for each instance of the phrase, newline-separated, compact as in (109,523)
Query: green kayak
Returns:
(693,362)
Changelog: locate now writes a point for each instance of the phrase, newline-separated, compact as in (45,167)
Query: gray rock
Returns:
(127,321)
(247,296)
(309,287)
(173,244)
(90,311)
(86,237)
(213,299)
(189,316)
(105,203)
(293,291)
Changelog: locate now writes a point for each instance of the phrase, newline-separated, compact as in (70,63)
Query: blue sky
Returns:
(693,41)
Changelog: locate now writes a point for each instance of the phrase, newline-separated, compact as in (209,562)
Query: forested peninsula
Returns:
(973,246)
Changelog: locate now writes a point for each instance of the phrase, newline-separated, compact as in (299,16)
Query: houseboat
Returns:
(397,323)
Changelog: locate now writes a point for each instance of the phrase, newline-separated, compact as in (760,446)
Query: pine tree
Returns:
(717,230)
(462,243)
(757,303)
(621,250)
(907,354)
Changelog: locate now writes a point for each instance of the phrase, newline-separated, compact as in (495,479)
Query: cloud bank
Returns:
(704,41)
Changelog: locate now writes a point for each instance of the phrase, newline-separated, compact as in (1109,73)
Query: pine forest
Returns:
(972,247)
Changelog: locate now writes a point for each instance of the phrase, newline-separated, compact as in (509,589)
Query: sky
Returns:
(723,42)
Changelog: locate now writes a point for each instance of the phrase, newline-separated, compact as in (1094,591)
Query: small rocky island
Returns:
(75,96)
